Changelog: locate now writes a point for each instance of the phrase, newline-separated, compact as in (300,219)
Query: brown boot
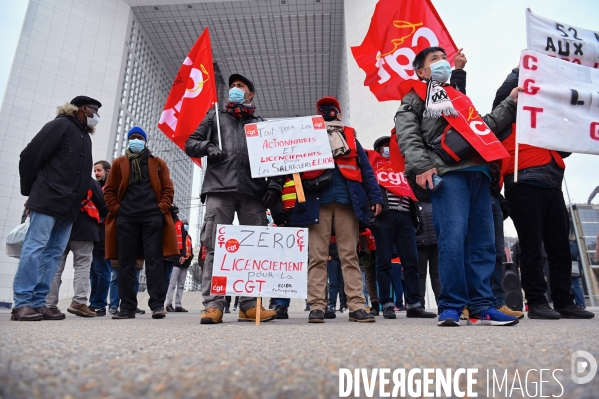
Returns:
(505,310)
(50,313)
(250,314)
(26,313)
(81,310)
(211,316)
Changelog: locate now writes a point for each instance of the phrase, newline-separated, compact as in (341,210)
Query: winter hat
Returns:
(84,100)
(138,130)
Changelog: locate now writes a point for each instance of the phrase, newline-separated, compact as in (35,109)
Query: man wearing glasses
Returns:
(55,170)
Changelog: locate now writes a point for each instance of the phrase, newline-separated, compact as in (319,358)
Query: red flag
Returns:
(193,92)
(398,31)
(394,181)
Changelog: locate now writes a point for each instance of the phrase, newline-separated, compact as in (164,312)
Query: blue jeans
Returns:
(45,241)
(498,271)
(396,273)
(463,221)
(115,298)
(284,302)
(396,231)
(577,291)
(336,284)
(99,276)
(364,289)
(168,270)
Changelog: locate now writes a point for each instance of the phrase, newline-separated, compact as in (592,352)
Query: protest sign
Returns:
(559,107)
(286,146)
(260,261)
(563,41)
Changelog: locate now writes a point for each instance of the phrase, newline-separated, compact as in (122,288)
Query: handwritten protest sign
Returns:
(566,42)
(286,146)
(559,107)
(260,261)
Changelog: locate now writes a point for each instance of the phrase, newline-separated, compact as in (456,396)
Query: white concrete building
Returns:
(125,53)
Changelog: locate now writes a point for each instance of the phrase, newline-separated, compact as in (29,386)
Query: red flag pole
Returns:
(218,125)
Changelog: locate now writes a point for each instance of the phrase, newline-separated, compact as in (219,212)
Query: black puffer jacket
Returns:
(427,235)
(232,174)
(56,166)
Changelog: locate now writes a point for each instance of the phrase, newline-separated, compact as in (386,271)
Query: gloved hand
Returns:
(271,197)
(279,219)
(215,154)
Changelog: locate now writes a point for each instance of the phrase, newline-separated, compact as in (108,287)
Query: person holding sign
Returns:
(229,187)
(342,204)
(440,133)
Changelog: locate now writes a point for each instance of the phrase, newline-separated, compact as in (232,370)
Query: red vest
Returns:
(528,156)
(179,229)
(89,207)
(188,247)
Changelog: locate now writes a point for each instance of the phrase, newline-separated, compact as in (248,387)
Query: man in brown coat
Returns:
(139,193)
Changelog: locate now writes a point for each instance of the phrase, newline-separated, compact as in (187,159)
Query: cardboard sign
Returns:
(260,261)
(563,41)
(286,146)
(559,107)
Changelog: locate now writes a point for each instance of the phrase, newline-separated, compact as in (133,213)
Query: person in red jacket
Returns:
(540,216)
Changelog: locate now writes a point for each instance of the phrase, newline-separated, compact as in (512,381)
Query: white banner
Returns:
(569,43)
(260,261)
(559,107)
(286,146)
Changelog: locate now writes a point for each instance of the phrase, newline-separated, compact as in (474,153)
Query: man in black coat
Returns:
(55,170)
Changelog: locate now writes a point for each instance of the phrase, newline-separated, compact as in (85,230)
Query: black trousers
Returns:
(135,235)
(428,259)
(540,215)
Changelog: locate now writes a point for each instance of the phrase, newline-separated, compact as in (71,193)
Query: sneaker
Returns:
(227,310)
(574,311)
(505,310)
(113,310)
(211,316)
(388,312)
(449,318)
(420,313)
(169,308)
(250,314)
(50,313)
(492,317)
(464,315)
(329,313)
(361,316)
(181,309)
(124,314)
(81,310)
(399,309)
(542,311)
(158,313)
(281,312)
(307,309)
(316,316)
(234,308)
(139,311)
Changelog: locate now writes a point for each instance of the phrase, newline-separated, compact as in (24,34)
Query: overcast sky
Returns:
(492,34)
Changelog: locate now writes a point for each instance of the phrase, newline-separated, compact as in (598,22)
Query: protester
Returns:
(461,203)
(335,277)
(169,263)
(180,271)
(428,252)
(369,269)
(395,227)
(55,171)
(101,269)
(115,298)
(139,193)
(539,214)
(228,187)
(341,205)
(577,271)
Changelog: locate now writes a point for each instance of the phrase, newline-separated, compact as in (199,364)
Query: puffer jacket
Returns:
(233,173)
(56,166)
(427,235)
(415,132)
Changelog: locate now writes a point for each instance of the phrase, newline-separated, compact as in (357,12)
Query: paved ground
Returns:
(179,358)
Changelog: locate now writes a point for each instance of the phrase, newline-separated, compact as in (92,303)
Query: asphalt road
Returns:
(178,358)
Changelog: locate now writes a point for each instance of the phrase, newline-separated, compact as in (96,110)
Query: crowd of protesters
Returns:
(366,242)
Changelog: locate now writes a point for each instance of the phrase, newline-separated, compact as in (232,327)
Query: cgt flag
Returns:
(193,92)
(398,31)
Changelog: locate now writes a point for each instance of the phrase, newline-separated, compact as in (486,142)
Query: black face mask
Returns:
(329,113)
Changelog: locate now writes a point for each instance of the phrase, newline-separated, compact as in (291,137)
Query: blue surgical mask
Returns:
(386,152)
(186,227)
(136,145)
(440,71)
(269,218)
(236,95)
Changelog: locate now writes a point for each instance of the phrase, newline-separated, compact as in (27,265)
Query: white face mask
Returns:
(93,121)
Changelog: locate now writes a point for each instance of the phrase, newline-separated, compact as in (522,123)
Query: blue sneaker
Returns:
(492,317)
(449,318)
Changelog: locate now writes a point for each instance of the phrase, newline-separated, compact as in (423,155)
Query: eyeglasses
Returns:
(93,109)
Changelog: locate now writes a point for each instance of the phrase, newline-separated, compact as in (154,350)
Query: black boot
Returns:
(374,309)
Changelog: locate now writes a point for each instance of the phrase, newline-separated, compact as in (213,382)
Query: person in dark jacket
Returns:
(428,252)
(55,171)
(179,266)
(341,205)
(101,269)
(84,234)
(229,187)
(540,216)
